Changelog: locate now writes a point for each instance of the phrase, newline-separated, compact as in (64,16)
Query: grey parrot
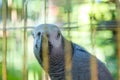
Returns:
(60,57)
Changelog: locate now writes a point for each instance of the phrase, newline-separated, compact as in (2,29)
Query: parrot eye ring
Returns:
(39,33)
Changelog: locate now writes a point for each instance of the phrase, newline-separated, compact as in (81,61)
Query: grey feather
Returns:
(80,57)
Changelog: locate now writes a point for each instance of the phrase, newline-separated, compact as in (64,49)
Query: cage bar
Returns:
(118,35)
(68,60)
(67,44)
(93,61)
(45,50)
(45,11)
(25,42)
(4,60)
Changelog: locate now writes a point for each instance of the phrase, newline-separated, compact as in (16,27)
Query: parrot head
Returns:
(47,37)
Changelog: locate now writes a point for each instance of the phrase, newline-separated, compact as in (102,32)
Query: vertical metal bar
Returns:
(25,43)
(4,63)
(68,9)
(68,60)
(118,35)
(93,61)
(45,11)
(45,50)
(45,47)
(68,48)
(118,48)
(69,22)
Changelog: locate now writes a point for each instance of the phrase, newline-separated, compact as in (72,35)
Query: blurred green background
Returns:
(92,24)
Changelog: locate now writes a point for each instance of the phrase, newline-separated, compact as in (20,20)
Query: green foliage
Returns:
(14,74)
(17,3)
(0,71)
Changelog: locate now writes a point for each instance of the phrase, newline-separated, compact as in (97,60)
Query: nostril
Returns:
(50,45)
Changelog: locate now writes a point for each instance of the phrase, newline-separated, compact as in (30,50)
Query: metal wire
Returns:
(101,27)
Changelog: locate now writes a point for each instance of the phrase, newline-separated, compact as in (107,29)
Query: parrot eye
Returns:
(39,33)
(47,35)
(58,35)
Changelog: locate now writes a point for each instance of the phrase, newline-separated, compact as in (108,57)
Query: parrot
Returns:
(63,59)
